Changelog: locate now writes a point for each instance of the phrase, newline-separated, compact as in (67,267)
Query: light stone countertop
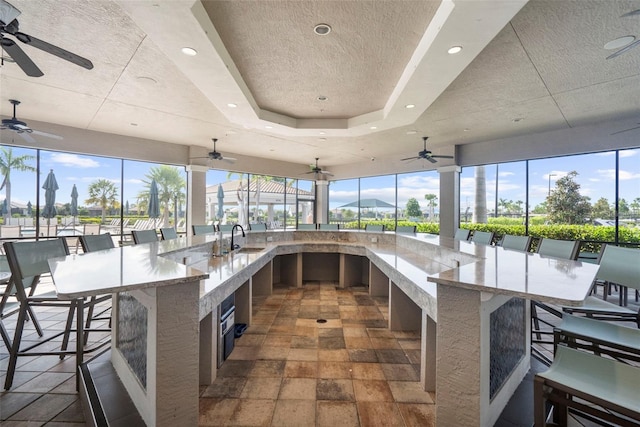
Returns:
(415,263)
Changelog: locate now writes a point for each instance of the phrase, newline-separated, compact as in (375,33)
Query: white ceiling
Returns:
(523,69)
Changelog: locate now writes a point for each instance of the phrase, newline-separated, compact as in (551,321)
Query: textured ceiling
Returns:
(545,66)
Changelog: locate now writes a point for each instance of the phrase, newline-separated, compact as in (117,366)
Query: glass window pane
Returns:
(378,201)
(418,201)
(629,196)
(221,199)
(341,193)
(18,168)
(507,215)
(477,194)
(306,202)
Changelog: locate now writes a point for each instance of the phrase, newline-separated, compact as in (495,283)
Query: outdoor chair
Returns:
(10,231)
(374,227)
(260,226)
(93,243)
(482,237)
(144,236)
(199,230)
(518,243)
(89,229)
(598,386)
(333,227)
(462,234)
(28,262)
(168,233)
(564,249)
(406,229)
(307,227)
(225,228)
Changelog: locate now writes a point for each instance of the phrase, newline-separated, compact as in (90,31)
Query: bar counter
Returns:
(464,298)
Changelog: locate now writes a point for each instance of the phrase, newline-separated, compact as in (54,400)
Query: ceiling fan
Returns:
(426,154)
(21,128)
(9,26)
(315,169)
(215,155)
(630,45)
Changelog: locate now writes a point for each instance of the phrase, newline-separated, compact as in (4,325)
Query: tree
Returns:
(480,206)
(170,187)
(635,205)
(623,207)
(541,208)
(104,193)
(413,208)
(601,209)
(431,199)
(565,203)
(8,163)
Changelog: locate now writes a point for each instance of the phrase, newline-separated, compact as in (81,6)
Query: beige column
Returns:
(449,200)
(196,195)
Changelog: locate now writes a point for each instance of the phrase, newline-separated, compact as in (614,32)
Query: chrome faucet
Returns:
(233,232)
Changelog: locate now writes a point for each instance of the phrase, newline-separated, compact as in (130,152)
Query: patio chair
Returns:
(406,229)
(374,227)
(168,233)
(28,262)
(328,227)
(482,237)
(462,234)
(225,228)
(144,236)
(307,227)
(10,231)
(518,243)
(260,226)
(564,249)
(199,230)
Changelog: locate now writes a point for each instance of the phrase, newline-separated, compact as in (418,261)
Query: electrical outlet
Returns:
(270,239)
(374,240)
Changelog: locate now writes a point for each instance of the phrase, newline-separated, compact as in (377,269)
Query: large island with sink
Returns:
(468,301)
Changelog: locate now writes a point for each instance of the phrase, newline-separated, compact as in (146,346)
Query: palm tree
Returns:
(480,206)
(8,163)
(104,193)
(431,199)
(171,185)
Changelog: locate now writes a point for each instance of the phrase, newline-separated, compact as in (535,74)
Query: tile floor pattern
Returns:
(290,370)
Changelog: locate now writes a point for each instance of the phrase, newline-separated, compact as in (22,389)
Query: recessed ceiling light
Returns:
(322,132)
(465,130)
(412,132)
(409,106)
(322,98)
(268,127)
(454,49)
(232,105)
(373,127)
(619,42)
(189,51)
(322,29)
(322,139)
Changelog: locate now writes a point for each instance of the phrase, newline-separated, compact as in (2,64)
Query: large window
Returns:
(305,206)
(377,201)
(341,195)
(419,200)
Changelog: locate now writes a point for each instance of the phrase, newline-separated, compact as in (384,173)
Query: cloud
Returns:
(74,161)
(555,175)
(419,181)
(610,174)
(628,153)
(505,173)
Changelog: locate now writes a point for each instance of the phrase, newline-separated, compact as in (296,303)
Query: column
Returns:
(449,200)
(196,195)
(322,202)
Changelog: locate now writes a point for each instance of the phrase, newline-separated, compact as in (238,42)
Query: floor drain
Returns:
(321,321)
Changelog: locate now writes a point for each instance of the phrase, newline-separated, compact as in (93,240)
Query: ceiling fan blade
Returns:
(27,137)
(228,159)
(632,13)
(431,159)
(442,157)
(624,49)
(21,58)
(48,135)
(54,50)
(626,130)
(410,158)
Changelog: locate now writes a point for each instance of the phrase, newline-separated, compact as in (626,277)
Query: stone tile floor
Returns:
(287,369)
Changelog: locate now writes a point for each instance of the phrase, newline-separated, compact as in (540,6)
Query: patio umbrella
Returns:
(5,209)
(29,208)
(368,204)
(74,201)
(220,213)
(154,202)
(50,187)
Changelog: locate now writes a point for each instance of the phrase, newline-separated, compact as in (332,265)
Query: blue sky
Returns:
(596,177)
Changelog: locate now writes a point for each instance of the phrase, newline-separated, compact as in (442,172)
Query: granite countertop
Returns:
(415,263)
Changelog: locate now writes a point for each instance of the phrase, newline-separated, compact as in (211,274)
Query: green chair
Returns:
(258,226)
(462,234)
(307,227)
(225,228)
(374,228)
(199,230)
(329,227)
(168,233)
(406,229)
(144,236)
(482,237)
(517,243)
(96,242)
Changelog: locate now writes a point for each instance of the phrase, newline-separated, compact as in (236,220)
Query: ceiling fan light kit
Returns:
(317,170)
(216,155)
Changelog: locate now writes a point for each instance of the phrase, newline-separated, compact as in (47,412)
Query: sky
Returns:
(595,176)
